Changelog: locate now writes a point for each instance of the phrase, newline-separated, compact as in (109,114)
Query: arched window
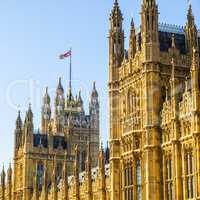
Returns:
(40,172)
(139,180)
(131,101)
(190,175)
(169,179)
(128,182)
(83,159)
(58,172)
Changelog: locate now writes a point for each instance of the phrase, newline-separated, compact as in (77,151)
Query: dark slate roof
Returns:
(40,140)
(165,37)
(59,141)
(43,140)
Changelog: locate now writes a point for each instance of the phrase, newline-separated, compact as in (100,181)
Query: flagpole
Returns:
(70,70)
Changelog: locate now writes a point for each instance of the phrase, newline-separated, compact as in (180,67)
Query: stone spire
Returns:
(3,184)
(76,192)
(94,108)
(79,102)
(89,173)
(195,92)
(65,180)
(59,99)
(29,119)
(116,36)
(132,41)
(19,121)
(173,41)
(46,98)
(191,32)
(59,90)
(174,92)
(102,178)
(46,112)
(149,30)
(18,132)
(195,69)
(28,129)
(9,182)
(29,113)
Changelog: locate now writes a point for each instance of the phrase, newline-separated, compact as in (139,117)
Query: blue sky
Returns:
(34,33)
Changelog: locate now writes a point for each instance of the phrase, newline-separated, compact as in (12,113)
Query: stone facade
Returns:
(42,152)
(154,101)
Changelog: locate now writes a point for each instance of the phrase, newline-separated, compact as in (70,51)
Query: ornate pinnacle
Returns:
(60,89)
(173,41)
(132,23)
(173,70)
(19,121)
(116,3)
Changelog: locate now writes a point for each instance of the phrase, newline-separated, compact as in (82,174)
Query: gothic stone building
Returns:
(46,148)
(154,100)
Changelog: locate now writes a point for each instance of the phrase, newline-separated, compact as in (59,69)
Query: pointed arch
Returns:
(131,100)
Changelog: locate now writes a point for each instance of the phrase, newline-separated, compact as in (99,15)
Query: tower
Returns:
(151,98)
(191,32)
(3,184)
(116,54)
(18,133)
(149,30)
(94,118)
(9,182)
(46,112)
(59,107)
(28,135)
(116,36)
(94,109)
(132,41)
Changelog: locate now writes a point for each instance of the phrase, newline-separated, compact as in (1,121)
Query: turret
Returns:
(59,100)
(70,101)
(80,103)
(89,174)
(3,184)
(59,107)
(191,32)
(132,41)
(28,129)
(9,182)
(149,30)
(116,55)
(18,132)
(116,36)
(94,108)
(28,124)
(46,112)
